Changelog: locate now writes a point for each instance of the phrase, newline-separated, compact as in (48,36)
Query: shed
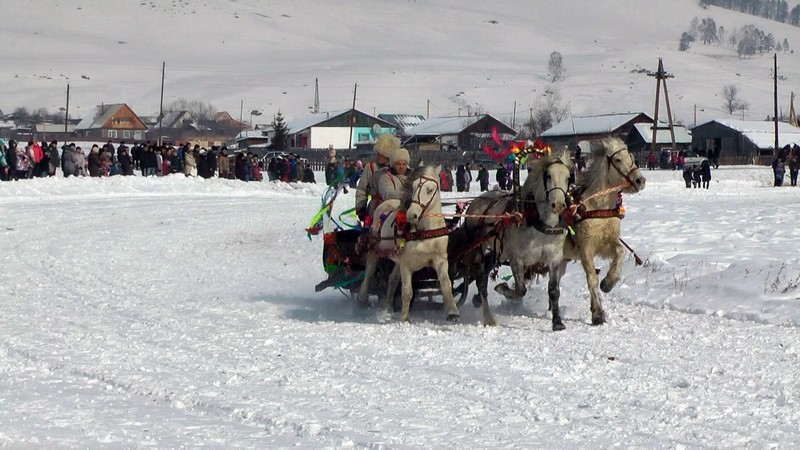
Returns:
(743,141)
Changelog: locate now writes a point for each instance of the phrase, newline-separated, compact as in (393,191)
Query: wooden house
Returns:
(111,122)
(459,133)
(344,129)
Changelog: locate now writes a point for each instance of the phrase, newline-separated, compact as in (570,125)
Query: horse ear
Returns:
(438,170)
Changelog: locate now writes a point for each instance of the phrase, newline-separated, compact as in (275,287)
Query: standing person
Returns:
(705,173)
(224,164)
(3,161)
(483,177)
(125,161)
(95,164)
(794,165)
(24,163)
(308,175)
(211,162)
(189,164)
(202,163)
(55,160)
(11,159)
(239,167)
(778,170)
(445,183)
(651,160)
(383,148)
(501,176)
(687,177)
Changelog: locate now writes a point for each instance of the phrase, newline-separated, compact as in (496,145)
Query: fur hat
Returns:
(398,154)
(386,144)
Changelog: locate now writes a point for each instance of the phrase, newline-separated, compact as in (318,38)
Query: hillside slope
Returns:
(401,53)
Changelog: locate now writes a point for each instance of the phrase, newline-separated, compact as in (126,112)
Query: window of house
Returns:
(126,134)
(137,135)
(112,133)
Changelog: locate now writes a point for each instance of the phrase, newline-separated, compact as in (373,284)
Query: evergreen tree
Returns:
(281,133)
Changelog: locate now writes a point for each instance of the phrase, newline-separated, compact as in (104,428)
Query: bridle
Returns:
(625,176)
(544,184)
(418,193)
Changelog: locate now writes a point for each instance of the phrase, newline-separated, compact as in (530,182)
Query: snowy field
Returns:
(179,312)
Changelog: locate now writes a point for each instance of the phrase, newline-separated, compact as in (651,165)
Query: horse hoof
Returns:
(606,287)
(476,301)
(599,318)
(453,317)
(559,326)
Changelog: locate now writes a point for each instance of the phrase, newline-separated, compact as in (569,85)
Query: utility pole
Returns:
(514,116)
(661,78)
(316,95)
(241,110)
(66,113)
(161,105)
(428,110)
(775,98)
(352,117)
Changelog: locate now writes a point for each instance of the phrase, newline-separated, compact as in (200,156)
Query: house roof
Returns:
(171,118)
(645,130)
(53,128)
(602,124)
(303,123)
(437,126)
(403,121)
(762,133)
(101,115)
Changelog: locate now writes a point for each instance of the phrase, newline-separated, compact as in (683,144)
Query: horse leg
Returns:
(391,288)
(554,293)
(372,263)
(407,290)
(596,307)
(613,275)
(482,282)
(519,291)
(446,286)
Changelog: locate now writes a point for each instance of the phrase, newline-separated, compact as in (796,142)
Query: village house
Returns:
(344,129)
(112,122)
(459,133)
(743,141)
(589,131)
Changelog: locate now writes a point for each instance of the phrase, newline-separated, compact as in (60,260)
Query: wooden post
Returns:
(352,117)
(661,78)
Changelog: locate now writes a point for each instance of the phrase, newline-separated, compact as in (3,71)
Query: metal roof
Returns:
(98,117)
(437,126)
(645,130)
(403,121)
(601,124)
(762,133)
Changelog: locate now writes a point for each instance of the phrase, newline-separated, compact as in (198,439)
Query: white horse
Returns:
(422,243)
(528,247)
(597,228)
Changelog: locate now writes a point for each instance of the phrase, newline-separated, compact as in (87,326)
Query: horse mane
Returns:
(414,175)
(597,172)
(537,171)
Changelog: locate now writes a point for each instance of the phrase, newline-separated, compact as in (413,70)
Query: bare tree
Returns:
(201,111)
(548,112)
(555,67)
(731,100)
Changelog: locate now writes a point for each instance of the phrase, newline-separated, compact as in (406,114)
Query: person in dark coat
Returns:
(697,175)
(11,159)
(687,177)
(211,159)
(778,170)
(55,159)
(705,173)
(502,176)
(202,163)
(124,160)
(94,161)
(240,168)
(308,175)
(483,177)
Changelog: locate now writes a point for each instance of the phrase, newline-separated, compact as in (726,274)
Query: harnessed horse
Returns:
(531,242)
(413,234)
(597,217)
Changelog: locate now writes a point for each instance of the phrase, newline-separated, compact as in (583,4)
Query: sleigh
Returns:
(345,266)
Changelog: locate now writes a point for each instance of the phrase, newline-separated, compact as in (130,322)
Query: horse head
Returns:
(548,183)
(423,193)
(620,166)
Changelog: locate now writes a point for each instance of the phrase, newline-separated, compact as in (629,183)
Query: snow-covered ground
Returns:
(179,312)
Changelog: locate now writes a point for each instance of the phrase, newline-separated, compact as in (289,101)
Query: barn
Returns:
(743,141)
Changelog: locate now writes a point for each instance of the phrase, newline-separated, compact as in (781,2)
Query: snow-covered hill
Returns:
(461,56)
